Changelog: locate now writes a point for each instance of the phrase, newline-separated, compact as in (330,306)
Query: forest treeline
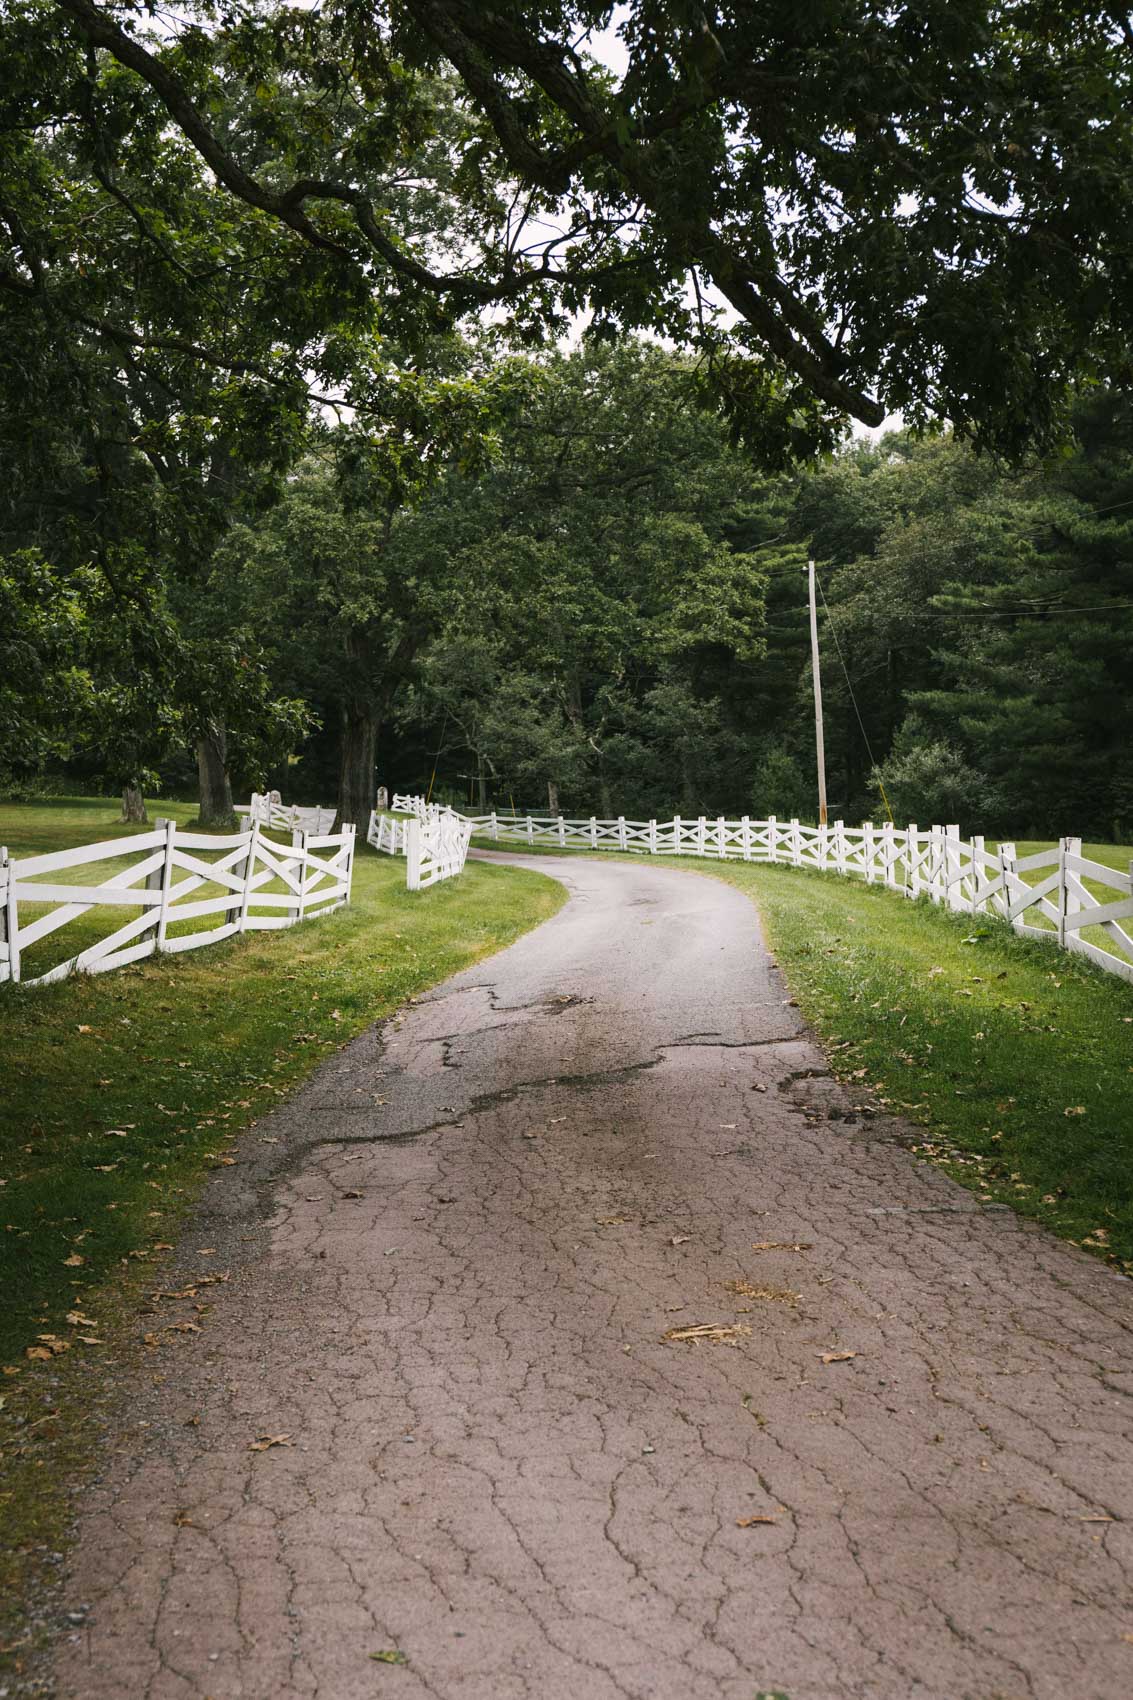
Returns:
(560,583)
(304,485)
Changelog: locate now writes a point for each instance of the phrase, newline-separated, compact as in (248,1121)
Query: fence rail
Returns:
(1055,903)
(434,841)
(249,881)
(267,808)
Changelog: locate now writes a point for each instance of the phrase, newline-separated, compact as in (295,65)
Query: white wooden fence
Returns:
(263,884)
(434,840)
(1055,903)
(267,808)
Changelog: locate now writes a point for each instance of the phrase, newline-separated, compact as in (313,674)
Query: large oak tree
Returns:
(922,205)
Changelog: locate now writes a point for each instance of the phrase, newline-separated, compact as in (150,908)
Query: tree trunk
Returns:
(552,797)
(356,768)
(134,805)
(482,784)
(212,772)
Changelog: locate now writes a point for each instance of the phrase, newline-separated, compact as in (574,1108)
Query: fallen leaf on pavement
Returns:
(718,1332)
(745,1290)
(746,1522)
(781,1245)
(836,1357)
(353,1193)
(390,1656)
(267,1441)
(679,1239)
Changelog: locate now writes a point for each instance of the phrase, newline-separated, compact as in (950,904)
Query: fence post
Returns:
(413,855)
(593,833)
(652,837)
(945,864)
(246,875)
(562,830)
(495,827)
(979,902)
(721,846)
(349,829)
(935,857)
(9,918)
(796,843)
(772,839)
(840,846)
(530,830)
(701,833)
(1007,858)
(298,842)
(868,850)
(155,880)
(676,832)
(913,860)
(1067,902)
(621,832)
(745,837)
(166,881)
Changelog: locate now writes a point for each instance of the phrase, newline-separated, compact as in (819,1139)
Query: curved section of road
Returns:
(900,1467)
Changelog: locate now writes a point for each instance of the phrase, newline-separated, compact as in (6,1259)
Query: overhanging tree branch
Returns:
(474,39)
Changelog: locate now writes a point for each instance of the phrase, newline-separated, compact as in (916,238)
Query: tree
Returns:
(922,206)
(44,687)
(340,572)
(593,581)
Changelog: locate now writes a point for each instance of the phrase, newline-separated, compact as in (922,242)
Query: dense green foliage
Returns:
(560,581)
(921,206)
(301,484)
(630,624)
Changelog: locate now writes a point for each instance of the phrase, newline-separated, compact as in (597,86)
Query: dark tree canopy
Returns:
(922,206)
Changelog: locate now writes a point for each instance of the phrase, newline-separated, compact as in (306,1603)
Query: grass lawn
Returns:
(1016,1059)
(121,1089)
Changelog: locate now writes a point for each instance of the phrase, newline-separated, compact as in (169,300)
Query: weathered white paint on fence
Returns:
(934,862)
(314,870)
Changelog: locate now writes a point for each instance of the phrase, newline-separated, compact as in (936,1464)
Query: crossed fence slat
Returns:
(315,872)
(933,862)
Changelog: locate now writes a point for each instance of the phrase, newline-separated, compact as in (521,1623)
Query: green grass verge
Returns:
(1016,1060)
(120,1090)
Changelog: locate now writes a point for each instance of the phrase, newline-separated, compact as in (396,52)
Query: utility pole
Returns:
(814,667)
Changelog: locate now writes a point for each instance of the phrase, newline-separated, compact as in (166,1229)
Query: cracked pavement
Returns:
(453,1259)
